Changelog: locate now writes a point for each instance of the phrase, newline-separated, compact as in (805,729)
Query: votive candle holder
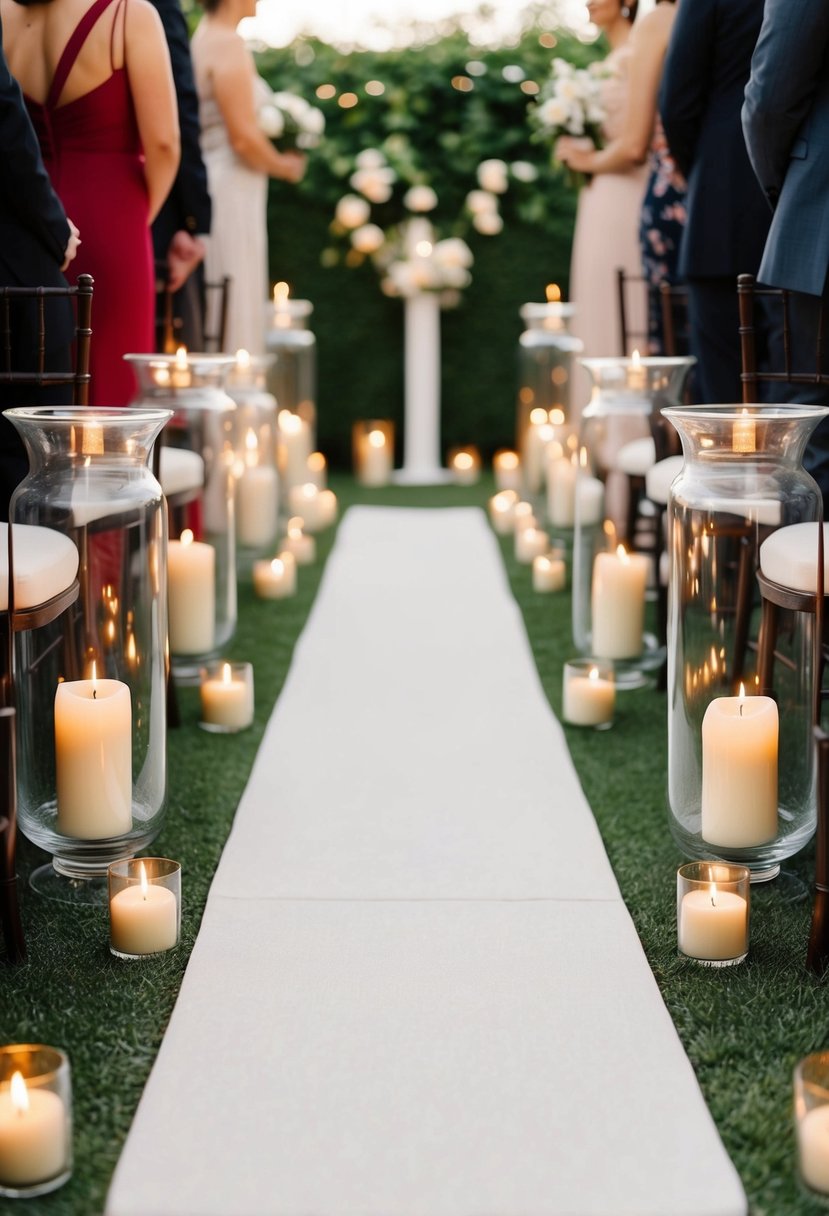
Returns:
(588,693)
(811,1121)
(226,697)
(35,1120)
(712,912)
(144,906)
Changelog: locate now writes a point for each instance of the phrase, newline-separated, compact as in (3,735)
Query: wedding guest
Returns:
(37,243)
(97,82)
(641,138)
(181,226)
(240,159)
(607,217)
(786,124)
(706,70)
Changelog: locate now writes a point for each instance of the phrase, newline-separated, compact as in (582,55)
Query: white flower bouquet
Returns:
(291,121)
(570,103)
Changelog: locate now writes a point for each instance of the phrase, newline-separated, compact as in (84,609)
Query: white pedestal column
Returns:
(421,432)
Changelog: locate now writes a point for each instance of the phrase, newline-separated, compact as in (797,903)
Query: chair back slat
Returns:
(80,296)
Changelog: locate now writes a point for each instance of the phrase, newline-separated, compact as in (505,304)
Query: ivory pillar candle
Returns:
(562,473)
(588,694)
(539,435)
(507,470)
(739,771)
(34,1134)
(374,459)
(275,579)
(299,543)
(307,502)
(227,696)
(295,444)
(257,500)
(144,906)
(813,1148)
(712,911)
(317,470)
(93,758)
(589,498)
(529,544)
(549,573)
(327,506)
(191,588)
(502,511)
(465,466)
(618,604)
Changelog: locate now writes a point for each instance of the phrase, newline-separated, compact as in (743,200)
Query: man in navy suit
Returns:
(706,69)
(37,242)
(184,220)
(786,123)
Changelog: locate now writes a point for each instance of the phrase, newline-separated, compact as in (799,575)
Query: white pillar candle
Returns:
(713,924)
(143,918)
(813,1147)
(502,512)
(529,543)
(275,579)
(465,466)
(374,459)
(549,573)
(562,473)
(739,771)
(588,697)
(191,592)
(327,506)
(523,517)
(539,435)
(34,1133)
(507,469)
(299,543)
(304,501)
(227,696)
(93,758)
(589,497)
(618,604)
(257,504)
(317,470)
(294,447)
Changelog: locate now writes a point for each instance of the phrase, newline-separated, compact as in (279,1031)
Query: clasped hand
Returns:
(576,152)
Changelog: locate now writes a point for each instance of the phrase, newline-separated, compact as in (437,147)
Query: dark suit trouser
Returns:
(714,322)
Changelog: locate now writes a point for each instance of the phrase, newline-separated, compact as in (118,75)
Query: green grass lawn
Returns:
(743,1028)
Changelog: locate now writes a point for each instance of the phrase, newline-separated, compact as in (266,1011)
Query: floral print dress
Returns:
(660,231)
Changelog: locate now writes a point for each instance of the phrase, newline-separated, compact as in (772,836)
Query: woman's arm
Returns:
(232,75)
(147,61)
(648,42)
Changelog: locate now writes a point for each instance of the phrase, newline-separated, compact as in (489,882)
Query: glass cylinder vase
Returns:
(202,584)
(741,760)
(543,412)
(257,479)
(292,379)
(91,686)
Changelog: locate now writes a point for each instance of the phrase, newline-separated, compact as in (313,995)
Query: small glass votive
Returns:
(298,542)
(144,906)
(549,571)
(465,465)
(712,912)
(226,697)
(530,543)
(35,1120)
(317,470)
(372,443)
(589,693)
(506,467)
(811,1120)
(275,578)
(502,512)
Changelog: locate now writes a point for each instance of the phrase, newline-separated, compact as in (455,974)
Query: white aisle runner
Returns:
(416,990)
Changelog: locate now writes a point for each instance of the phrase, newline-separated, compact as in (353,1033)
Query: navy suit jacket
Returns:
(187,206)
(706,69)
(33,226)
(786,122)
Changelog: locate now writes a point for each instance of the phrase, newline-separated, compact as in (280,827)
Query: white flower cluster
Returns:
(408,255)
(570,102)
(290,118)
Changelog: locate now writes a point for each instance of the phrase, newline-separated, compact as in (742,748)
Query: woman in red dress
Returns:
(98,84)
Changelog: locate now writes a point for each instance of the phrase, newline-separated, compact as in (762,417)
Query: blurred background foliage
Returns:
(446,105)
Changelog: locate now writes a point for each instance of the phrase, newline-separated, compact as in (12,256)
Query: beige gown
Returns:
(606,236)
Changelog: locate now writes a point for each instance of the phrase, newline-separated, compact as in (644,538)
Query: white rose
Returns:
(452,251)
(375,184)
(314,121)
(420,198)
(370,158)
(553,113)
(523,171)
(402,277)
(352,211)
(481,200)
(368,238)
(271,122)
(488,224)
(492,175)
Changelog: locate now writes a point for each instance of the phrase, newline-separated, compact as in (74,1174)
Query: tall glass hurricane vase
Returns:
(91,686)
(741,768)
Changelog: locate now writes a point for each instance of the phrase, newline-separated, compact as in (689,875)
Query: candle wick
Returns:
(741,709)
(713,903)
(94,694)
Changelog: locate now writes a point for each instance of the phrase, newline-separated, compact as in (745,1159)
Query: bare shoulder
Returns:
(654,27)
(143,20)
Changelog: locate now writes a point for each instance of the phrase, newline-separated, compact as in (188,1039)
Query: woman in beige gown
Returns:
(239,159)
(606,235)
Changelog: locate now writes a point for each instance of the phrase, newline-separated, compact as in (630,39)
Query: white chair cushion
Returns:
(636,457)
(659,477)
(789,557)
(180,470)
(45,564)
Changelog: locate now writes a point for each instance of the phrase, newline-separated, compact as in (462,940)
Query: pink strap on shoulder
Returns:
(72,49)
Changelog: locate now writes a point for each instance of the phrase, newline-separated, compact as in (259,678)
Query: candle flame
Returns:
(145,886)
(186,537)
(278,567)
(227,674)
(464,461)
(506,460)
(583,458)
(19,1093)
(295,526)
(376,439)
(553,293)
(423,249)
(538,416)
(243,359)
(557,416)
(291,423)
(316,462)
(251,442)
(635,359)
(593,673)
(622,554)
(742,693)
(181,358)
(281,291)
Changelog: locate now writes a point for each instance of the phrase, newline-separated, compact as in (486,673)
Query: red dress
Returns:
(93,154)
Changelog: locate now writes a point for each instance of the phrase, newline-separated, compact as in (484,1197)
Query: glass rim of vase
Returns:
(56,1060)
(645,361)
(756,412)
(538,309)
(75,415)
(191,359)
